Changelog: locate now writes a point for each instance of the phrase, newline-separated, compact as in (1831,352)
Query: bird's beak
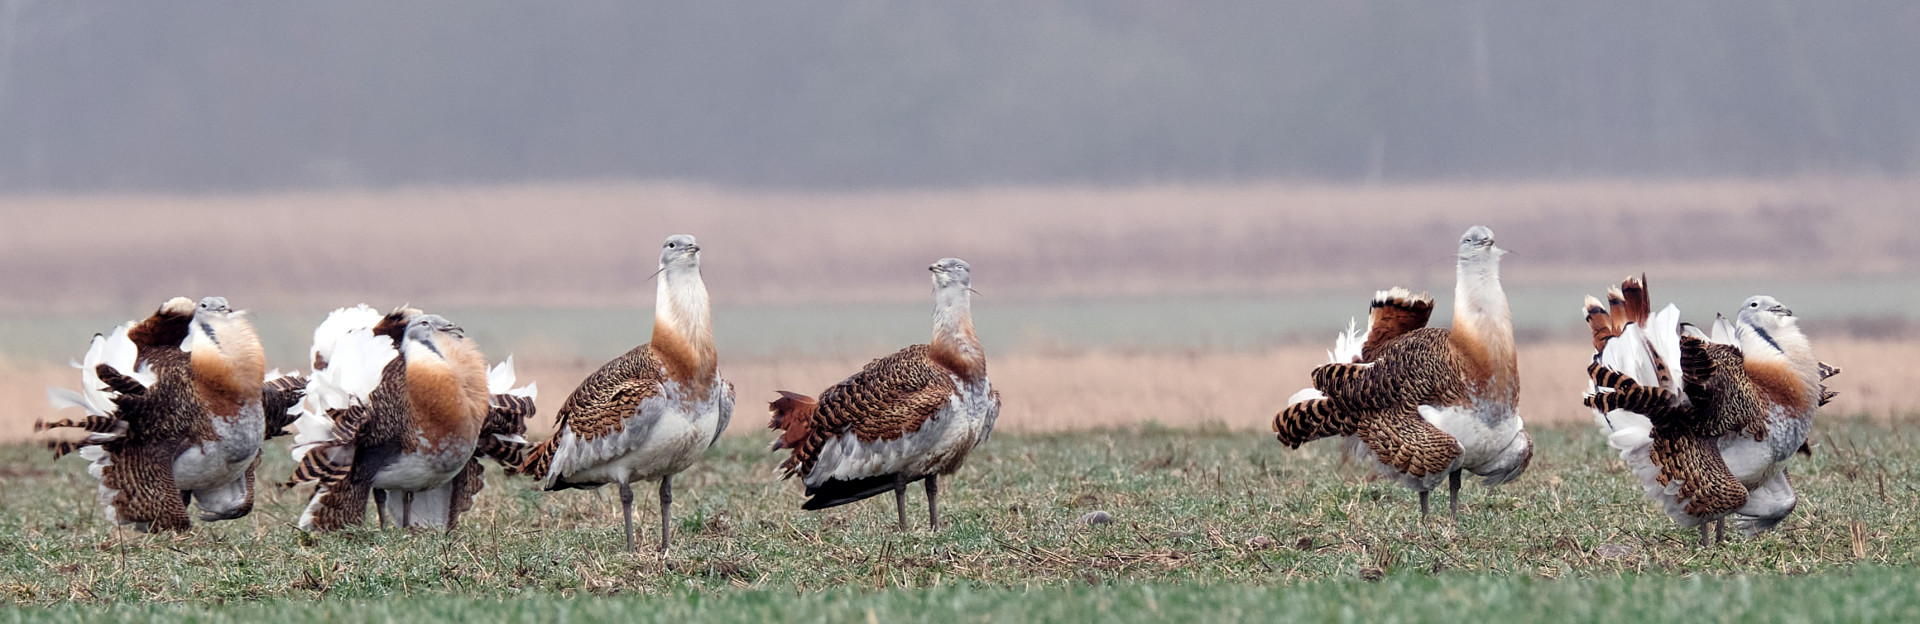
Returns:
(934,268)
(693,249)
(1781,310)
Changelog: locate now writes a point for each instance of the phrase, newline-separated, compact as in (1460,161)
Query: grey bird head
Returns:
(213,304)
(1766,313)
(424,326)
(679,252)
(951,271)
(1478,243)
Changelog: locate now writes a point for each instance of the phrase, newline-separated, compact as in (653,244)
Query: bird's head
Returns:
(950,272)
(422,328)
(213,305)
(679,252)
(1767,314)
(1477,244)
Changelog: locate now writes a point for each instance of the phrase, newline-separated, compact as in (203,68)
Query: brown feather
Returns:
(601,404)
(1393,314)
(889,398)
(1380,401)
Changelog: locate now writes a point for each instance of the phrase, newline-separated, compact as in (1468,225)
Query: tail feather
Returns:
(1827,394)
(837,492)
(280,400)
(1394,312)
(793,417)
(1633,294)
(538,460)
(1600,320)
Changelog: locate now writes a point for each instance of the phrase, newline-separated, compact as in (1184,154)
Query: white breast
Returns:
(412,472)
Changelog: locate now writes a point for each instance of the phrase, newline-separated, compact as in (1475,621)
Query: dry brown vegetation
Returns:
(596,244)
(1056,391)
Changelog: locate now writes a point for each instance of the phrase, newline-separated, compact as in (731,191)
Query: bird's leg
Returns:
(933,508)
(626,511)
(666,502)
(1453,493)
(406,510)
(1703,534)
(1720,531)
(380,506)
(900,498)
(1423,504)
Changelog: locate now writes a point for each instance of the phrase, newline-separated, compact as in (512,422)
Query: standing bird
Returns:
(910,416)
(648,414)
(391,420)
(174,415)
(1706,422)
(1425,403)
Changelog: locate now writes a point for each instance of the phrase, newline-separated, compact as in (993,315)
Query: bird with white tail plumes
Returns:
(1705,421)
(174,415)
(394,407)
(1425,404)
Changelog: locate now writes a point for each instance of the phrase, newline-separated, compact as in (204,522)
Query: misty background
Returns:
(244,96)
(1166,204)
(1122,174)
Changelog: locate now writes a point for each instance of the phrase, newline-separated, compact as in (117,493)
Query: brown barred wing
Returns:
(1408,443)
(889,398)
(1383,399)
(1704,482)
(601,405)
(1724,398)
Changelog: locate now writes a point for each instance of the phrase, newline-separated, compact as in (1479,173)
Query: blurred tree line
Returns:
(202,95)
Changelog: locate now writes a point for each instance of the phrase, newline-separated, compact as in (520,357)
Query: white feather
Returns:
(1348,344)
(1724,333)
(338,324)
(1663,334)
(500,381)
(358,358)
(1305,395)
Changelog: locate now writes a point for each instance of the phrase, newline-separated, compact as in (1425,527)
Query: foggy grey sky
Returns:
(200,96)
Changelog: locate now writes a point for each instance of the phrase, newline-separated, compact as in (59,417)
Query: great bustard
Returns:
(1425,403)
(651,413)
(174,415)
(910,416)
(398,416)
(1706,422)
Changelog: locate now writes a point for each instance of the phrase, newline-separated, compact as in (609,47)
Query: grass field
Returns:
(1207,521)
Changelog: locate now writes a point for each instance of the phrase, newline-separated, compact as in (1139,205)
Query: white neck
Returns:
(952,308)
(1480,313)
(1478,300)
(953,338)
(683,326)
(680,304)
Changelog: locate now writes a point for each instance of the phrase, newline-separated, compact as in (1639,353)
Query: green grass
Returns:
(1877,594)
(1208,523)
